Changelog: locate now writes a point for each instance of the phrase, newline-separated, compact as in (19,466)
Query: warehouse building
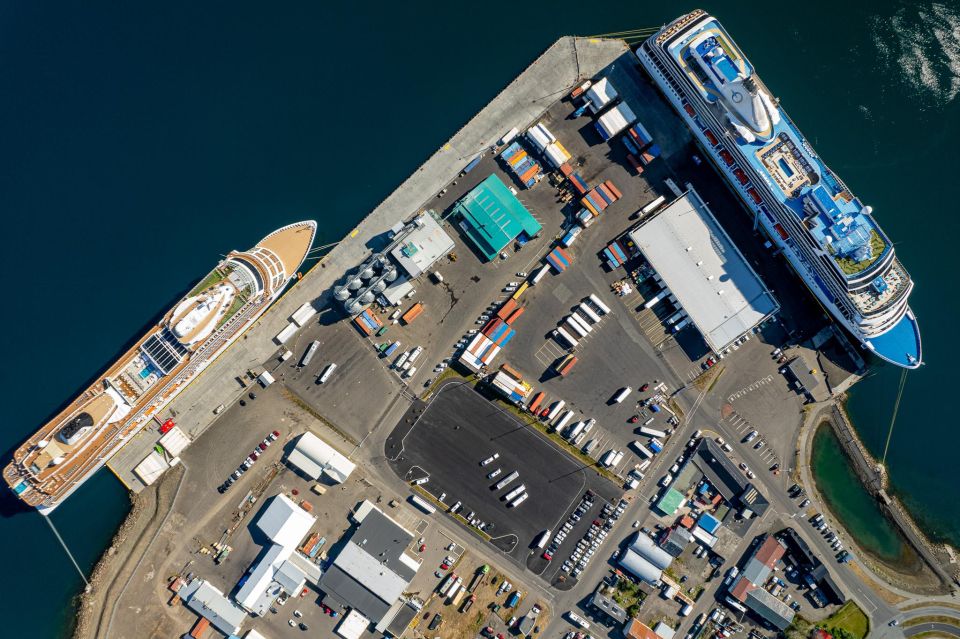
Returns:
(208,602)
(645,560)
(372,570)
(279,569)
(702,267)
(491,217)
(424,244)
(316,458)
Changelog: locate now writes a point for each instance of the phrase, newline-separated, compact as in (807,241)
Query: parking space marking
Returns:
(749,389)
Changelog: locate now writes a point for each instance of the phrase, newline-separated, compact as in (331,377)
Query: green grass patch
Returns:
(849,622)
(448,373)
(852,267)
(917,621)
(216,276)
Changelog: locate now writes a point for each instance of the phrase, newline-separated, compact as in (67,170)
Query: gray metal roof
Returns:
(205,600)
(702,267)
(640,567)
(800,370)
(368,573)
(770,608)
(609,607)
(645,547)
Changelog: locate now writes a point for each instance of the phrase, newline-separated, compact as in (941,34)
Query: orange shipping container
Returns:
(565,169)
(507,309)
(412,313)
(514,315)
(537,400)
(512,372)
(530,173)
(589,207)
(518,158)
(613,189)
(306,505)
(199,628)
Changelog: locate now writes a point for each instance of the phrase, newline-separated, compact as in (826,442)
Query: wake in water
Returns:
(921,45)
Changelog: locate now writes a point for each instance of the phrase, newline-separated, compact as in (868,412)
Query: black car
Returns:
(252,395)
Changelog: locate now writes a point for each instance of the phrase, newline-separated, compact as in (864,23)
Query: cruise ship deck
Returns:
(827,234)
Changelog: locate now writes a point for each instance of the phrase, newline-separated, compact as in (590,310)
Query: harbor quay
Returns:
(548,424)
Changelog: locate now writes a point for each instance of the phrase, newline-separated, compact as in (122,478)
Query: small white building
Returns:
(423,246)
(315,458)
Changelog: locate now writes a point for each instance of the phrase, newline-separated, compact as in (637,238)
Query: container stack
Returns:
(513,389)
(480,352)
(615,255)
(521,164)
(498,332)
(600,197)
(558,259)
(367,322)
(640,147)
(614,121)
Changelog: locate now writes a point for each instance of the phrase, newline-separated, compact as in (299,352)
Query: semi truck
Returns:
(640,448)
(500,485)
(600,305)
(516,492)
(652,432)
(566,337)
(589,312)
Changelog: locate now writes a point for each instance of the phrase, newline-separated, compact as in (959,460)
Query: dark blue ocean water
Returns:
(138,143)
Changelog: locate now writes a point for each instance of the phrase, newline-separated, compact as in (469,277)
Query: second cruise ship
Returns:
(829,237)
(72,446)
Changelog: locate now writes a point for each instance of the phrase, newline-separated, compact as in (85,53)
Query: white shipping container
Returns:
(603,307)
(653,206)
(556,154)
(540,275)
(564,420)
(589,312)
(576,328)
(567,336)
(622,394)
(582,323)
(557,407)
(643,450)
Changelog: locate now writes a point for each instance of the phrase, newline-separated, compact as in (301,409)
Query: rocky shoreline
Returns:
(130,543)
(943,574)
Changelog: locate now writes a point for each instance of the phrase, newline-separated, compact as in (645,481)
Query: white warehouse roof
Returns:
(315,457)
(426,244)
(699,263)
(284,522)
(174,441)
(601,93)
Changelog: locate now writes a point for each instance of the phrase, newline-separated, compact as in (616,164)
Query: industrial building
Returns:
(316,458)
(604,606)
(727,479)
(491,217)
(208,602)
(372,570)
(280,568)
(750,590)
(644,559)
(635,629)
(809,564)
(805,379)
(702,267)
(424,244)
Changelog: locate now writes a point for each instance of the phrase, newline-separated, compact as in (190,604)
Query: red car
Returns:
(444,566)
(634,419)
(645,388)
(167,425)
(544,412)
(423,547)
(547,555)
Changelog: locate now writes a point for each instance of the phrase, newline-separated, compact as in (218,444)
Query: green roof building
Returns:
(670,502)
(492,217)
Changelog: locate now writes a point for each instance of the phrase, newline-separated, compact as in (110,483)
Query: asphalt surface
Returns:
(456,432)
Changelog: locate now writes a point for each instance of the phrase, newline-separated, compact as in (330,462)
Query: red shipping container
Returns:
(613,189)
(514,315)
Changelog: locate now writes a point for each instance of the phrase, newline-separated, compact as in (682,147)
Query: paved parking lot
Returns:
(460,428)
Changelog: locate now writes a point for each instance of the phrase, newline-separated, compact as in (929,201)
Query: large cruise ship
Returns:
(65,452)
(829,237)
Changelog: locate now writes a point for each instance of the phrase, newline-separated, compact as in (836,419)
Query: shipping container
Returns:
(652,432)
(200,627)
(509,136)
(622,394)
(574,326)
(412,313)
(542,539)
(600,305)
(676,317)
(566,364)
(608,457)
(555,410)
(563,421)
(520,291)
(566,337)
(681,325)
(576,430)
(581,322)
(540,274)
(391,349)
(537,400)
(653,301)
(654,205)
(641,449)
(656,445)
(515,315)
(589,312)
(518,500)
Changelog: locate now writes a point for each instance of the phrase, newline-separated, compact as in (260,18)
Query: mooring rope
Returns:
(67,550)
(893,418)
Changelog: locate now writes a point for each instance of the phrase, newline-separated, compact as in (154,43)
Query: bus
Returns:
(577,620)
(422,504)
(519,500)
(311,350)
(500,485)
(514,493)
(326,373)
(603,307)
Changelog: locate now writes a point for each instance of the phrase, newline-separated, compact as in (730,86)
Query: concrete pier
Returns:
(567,62)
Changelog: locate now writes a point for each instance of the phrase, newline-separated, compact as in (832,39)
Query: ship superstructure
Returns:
(65,452)
(829,237)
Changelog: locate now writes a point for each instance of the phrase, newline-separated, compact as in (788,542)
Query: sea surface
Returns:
(140,142)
